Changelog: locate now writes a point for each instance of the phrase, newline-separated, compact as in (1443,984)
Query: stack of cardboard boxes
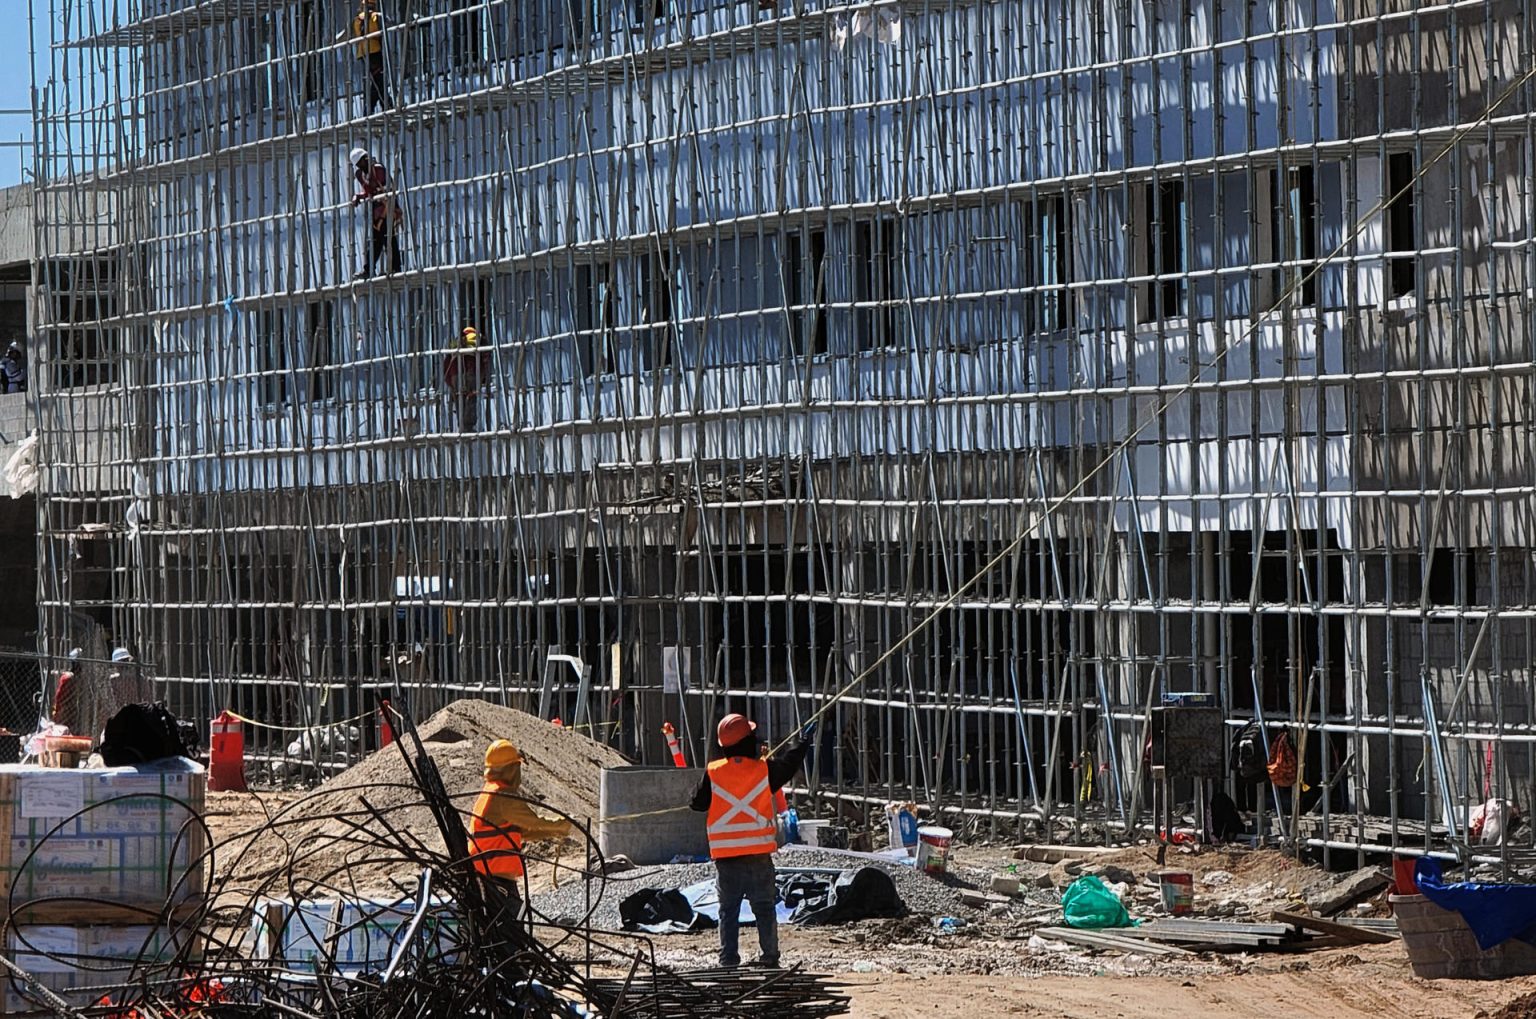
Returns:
(98,869)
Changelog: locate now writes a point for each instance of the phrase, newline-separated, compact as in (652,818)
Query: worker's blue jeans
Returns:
(750,878)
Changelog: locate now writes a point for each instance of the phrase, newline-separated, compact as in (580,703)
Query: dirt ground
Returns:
(995,964)
(896,969)
(1369,983)
(1359,982)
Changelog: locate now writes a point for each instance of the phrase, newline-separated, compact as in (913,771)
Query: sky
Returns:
(15,85)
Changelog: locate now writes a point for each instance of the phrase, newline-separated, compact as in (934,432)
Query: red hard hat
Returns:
(733,729)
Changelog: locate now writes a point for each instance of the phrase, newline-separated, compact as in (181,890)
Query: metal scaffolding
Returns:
(970,373)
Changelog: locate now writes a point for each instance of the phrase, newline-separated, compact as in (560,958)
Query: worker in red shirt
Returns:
(375,187)
(465,372)
(66,710)
(736,793)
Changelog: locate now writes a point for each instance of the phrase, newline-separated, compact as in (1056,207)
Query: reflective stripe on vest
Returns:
(740,820)
(498,852)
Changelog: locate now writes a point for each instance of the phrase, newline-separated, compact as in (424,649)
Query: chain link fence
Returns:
(21,687)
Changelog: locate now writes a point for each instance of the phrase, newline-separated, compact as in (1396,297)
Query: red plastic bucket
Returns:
(1403,881)
(1178,888)
(226,754)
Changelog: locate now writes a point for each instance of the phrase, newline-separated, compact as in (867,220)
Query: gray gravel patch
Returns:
(923,895)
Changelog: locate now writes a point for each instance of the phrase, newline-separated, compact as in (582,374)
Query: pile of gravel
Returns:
(923,895)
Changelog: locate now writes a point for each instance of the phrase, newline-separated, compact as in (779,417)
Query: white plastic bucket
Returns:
(901,823)
(933,849)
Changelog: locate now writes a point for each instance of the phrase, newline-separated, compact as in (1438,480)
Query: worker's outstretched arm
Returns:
(533,827)
(702,794)
(783,766)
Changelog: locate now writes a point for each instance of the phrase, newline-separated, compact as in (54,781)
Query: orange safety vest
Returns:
(498,852)
(740,819)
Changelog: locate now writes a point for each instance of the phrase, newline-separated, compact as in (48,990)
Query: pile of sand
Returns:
(1523,1007)
(305,840)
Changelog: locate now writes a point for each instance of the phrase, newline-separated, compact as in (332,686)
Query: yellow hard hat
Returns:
(501,754)
(470,336)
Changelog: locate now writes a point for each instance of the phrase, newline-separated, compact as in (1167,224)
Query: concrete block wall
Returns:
(17,241)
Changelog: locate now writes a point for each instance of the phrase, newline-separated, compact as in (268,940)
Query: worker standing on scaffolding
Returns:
(375,187)
(368,31)
(464,375)
(737,792)
(13,370)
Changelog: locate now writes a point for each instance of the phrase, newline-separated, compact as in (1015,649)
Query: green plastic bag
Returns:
(1087,903)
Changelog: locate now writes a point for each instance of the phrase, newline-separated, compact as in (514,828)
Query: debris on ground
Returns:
(997,912)
(301,941)
(1337,895)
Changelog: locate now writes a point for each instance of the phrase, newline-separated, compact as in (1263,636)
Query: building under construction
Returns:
(998,366)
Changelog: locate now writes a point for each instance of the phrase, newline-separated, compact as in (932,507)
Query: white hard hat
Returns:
(121,655)
(357,154)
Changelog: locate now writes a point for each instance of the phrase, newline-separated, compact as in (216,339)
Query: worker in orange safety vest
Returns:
(736,795)
(502,820)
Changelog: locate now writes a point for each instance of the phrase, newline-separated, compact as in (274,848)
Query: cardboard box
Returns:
(83,964)
(356,934)
(125,836)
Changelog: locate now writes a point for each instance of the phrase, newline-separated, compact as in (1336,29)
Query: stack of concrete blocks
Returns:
(97,868)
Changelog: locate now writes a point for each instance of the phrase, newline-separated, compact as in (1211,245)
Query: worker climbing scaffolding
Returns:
(385,216)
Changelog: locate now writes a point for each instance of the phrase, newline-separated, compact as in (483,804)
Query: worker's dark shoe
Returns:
(729,961)
(766,962)
(361,274)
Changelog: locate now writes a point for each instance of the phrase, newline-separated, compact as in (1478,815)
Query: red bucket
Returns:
(1403,881)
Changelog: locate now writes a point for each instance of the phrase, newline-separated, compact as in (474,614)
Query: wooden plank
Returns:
(1110,942)
(1346,932)
(1212,937)
(1273,930)
(1385,924)
(1056,854)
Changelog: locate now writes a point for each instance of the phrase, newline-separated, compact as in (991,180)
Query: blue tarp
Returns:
(1495,913)
(704,897)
